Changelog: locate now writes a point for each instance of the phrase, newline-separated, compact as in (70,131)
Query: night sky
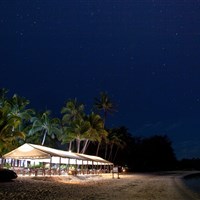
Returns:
(144,53)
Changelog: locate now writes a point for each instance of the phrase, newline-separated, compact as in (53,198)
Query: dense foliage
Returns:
(81,132)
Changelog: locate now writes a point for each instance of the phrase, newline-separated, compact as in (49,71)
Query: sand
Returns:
(160,186)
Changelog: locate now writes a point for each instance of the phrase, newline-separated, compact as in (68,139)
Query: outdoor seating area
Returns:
(24,171)
(36,160)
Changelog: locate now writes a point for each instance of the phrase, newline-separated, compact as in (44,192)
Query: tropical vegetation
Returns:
(79,131)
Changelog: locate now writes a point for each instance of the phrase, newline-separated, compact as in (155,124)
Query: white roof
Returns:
(33,151)
(94,158)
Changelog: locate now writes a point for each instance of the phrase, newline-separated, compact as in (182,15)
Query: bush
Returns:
(7,175)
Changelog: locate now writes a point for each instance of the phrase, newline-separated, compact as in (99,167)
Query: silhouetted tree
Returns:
(189,164)
(104,104)
(156,153)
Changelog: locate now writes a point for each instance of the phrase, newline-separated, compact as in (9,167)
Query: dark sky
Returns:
(144,53)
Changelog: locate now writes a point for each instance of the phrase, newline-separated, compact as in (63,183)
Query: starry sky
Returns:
(144,53)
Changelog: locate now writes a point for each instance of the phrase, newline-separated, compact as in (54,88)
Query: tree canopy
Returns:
(82,132)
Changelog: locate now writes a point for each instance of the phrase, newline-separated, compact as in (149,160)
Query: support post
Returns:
(59,166)
(50,164)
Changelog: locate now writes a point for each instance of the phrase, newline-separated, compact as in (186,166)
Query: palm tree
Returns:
(18,109)
(47,126)
(14,118)
(96,130)
(78,130)
(103,104)
(9,128)
(66,137)
(3,98)
(73,113)
(117,138)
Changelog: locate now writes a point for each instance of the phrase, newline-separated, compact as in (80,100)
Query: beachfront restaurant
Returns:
(30,159)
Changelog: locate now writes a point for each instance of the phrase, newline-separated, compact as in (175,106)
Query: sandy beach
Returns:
(160,186)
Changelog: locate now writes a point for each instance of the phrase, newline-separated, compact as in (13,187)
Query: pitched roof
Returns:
(33,151)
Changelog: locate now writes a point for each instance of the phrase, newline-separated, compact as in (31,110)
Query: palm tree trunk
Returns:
(70,146)
(106,151)
(78,142)
(44,137)
(116,154)
(111,148)
(85,146)
(104,118)
(97,152)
